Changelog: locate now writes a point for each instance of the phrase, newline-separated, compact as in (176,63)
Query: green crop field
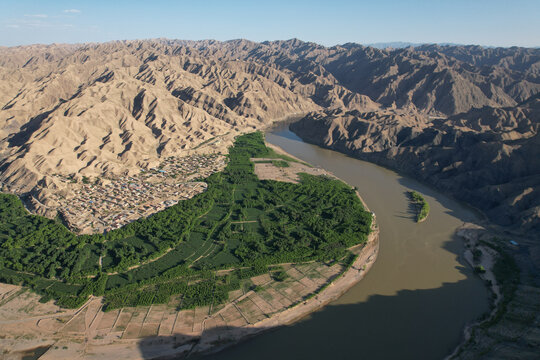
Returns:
(238,222)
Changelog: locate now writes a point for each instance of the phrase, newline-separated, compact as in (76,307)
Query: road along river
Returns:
(414,302)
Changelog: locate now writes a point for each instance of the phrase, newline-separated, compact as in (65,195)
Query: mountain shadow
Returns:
(412,324)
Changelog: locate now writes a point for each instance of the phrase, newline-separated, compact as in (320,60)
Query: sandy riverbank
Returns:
(471,234)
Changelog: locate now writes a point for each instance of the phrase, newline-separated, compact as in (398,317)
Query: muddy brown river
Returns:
(417,298)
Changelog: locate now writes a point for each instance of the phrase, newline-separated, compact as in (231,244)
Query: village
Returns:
(104,204)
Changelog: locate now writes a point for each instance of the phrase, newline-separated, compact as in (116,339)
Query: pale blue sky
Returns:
(493,22)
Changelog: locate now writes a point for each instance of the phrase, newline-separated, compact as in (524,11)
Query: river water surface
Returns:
(416,299)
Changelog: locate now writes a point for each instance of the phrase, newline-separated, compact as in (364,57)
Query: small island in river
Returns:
(420,205)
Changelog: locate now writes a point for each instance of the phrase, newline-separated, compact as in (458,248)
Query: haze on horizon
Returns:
(482,22)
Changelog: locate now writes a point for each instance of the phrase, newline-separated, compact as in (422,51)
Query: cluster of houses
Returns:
(108,204)
(187,168)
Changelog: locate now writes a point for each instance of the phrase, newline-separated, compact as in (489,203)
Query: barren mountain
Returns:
(115,108)
(440,80)
(489,157)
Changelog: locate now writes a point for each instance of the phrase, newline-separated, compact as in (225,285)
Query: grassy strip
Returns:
(507,274)
(280,163)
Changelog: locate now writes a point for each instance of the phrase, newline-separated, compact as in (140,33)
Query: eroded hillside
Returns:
(453,115)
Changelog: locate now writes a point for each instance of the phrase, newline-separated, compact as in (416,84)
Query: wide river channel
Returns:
(417,298)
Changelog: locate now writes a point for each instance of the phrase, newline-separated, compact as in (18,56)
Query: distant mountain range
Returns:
(404,44)
(460,117)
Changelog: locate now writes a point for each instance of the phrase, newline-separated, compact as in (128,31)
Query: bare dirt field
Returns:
(266,169)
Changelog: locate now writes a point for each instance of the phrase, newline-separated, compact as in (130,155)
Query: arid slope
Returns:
(109,109)
(464,118)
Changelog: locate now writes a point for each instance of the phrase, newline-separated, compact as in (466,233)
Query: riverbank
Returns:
(471,233)
(508,263)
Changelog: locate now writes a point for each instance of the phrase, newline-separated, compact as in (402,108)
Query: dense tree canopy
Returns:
(240,221)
